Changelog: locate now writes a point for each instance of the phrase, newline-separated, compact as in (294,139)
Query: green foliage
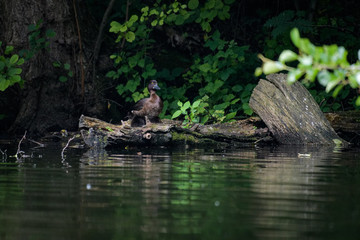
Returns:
(213,75)
(38,40)
(327,63)
(201,112)
(285,21)
(9,67)
(10,62)
(66,68)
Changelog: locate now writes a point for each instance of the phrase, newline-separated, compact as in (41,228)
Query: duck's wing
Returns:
(139,104)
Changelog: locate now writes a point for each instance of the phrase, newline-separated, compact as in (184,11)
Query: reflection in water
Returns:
(182,193)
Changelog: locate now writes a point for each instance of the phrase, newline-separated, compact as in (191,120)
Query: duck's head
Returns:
(153,86)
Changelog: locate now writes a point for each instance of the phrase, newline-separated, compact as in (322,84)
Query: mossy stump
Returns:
(291,113)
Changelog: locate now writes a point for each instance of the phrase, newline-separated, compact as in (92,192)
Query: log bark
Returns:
(291,113)
(99,134)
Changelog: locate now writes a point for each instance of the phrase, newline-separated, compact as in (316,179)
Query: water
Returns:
(181,193)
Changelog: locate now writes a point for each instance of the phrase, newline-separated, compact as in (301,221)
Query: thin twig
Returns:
(38,143)
(4,155)
(62,152)
(128,3)
(81,51)
(18,150)
(99,38)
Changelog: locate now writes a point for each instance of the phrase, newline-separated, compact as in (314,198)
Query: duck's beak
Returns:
(156,87)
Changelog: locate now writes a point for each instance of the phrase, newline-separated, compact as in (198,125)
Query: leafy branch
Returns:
(328,64)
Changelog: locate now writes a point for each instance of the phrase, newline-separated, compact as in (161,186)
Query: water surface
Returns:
(181,193)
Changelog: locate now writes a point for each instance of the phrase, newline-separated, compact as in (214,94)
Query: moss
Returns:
(184,137)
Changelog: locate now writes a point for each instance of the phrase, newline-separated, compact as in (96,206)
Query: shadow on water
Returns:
(182,192)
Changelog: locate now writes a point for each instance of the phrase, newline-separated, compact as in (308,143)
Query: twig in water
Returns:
(4,155)
(18,150)
(38,143)
(62,152)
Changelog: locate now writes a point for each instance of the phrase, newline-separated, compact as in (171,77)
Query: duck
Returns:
(147,109)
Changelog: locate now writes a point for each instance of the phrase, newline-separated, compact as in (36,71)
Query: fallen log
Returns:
(100,134)
(291,113)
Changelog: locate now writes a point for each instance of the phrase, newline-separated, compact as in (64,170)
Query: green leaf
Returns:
(154,23)
(66,66)
(295,37)
(205,67)
(193,4)
(115,27)
(110,74)
(133,18)
(272,67)
(331,85)
(230,116)
(31,27)
(186,106)
(196,104)
(20,62)
(324,77)
(130,36)
(176,114)
(120,89)
(337,90)
(14,58)
(287,56)
(180,104)
(311,74)
(234,101)
(294,75)
(357,102)
(63,79)
(14,79)
(50,33)
(141,63)
(237,88)
(258,71)
(14,71)
(70,74)
(2,66)
(8,50)
(4,84)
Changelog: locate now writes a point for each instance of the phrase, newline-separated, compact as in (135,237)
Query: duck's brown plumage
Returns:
(150,107)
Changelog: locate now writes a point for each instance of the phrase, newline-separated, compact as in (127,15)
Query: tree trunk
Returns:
(46,104)
(291,113)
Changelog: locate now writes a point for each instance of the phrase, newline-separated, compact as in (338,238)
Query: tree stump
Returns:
(291,113)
